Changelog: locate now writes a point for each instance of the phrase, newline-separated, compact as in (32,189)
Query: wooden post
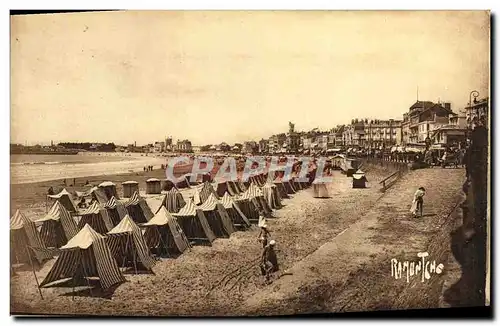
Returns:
(34,273)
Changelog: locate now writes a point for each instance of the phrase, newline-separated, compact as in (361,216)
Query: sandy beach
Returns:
(191,283)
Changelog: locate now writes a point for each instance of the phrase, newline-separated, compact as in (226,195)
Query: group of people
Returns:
(148,168)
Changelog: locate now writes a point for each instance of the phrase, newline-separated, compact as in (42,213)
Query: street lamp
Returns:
(474,94)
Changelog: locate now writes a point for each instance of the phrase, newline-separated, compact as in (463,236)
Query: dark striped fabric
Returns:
(115,210)
(173,201)
(127,241)
(22,228)
(234,211)
(163,227)
(57,226)
(206,191)
(85,255)
(97,218)
(272,196)
(289,187)
(138,209)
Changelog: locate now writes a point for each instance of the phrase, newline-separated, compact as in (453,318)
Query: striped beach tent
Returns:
(202,194)
(194,223)
(162,232)
(85,255)
(116,210)
(24,235)
(96,217)
(57,226)
(138,209)
(183,183)
(217,217)
(281,188)
(235,213)
(248,206)
(272,195)
(229,187)
(127,245)
(173,201)
(255,192)
(65,198)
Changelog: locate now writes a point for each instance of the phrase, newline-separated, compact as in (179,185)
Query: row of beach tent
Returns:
(114,234)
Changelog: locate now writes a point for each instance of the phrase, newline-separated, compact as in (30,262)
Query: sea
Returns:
(28,168)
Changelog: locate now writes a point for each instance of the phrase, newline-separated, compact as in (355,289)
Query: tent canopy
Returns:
(63,192)
(107,184)
(126,225)
(83,239)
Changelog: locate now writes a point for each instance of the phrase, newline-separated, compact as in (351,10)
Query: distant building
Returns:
(263,146)
(422,118)
(451,134)
(383,133)
(184,146)
(478,109)
(250,147)
(159,147)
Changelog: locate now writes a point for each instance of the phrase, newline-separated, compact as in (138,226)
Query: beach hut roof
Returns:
(86,193)
(54,213)
(111,203)
(210,204)
(160,218)
(83,239)
(134,200)
(227,201)
(188,210)
(126,225)
(107,184)
(153,180)
(92,209)
(63,192)
(131,182)
(16,221)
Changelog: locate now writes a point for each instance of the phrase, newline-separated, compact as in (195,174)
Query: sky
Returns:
(234,76)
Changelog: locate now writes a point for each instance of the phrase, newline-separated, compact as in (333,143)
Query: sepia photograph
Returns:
(239,163)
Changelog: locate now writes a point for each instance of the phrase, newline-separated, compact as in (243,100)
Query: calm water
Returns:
(35,168)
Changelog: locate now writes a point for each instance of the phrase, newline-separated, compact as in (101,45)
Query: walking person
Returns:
(417,206)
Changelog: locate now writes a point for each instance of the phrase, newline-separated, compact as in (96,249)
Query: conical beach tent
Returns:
(116,210)
(173,201)
(255,192)
(272,196)
(64,197)
(202,194)
(162,232)
(25,237)
(85,255)
(235,213)
(194,224)
(138,209)
(127,245)
(217,217)
(96,217)
(57,226)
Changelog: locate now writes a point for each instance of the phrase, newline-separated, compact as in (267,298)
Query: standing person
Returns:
(418,202)
(264,234)
(269,263)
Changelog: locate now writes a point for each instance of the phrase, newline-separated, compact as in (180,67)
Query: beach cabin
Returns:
(109,189)
(129,187)
(359,179)
(153,186)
